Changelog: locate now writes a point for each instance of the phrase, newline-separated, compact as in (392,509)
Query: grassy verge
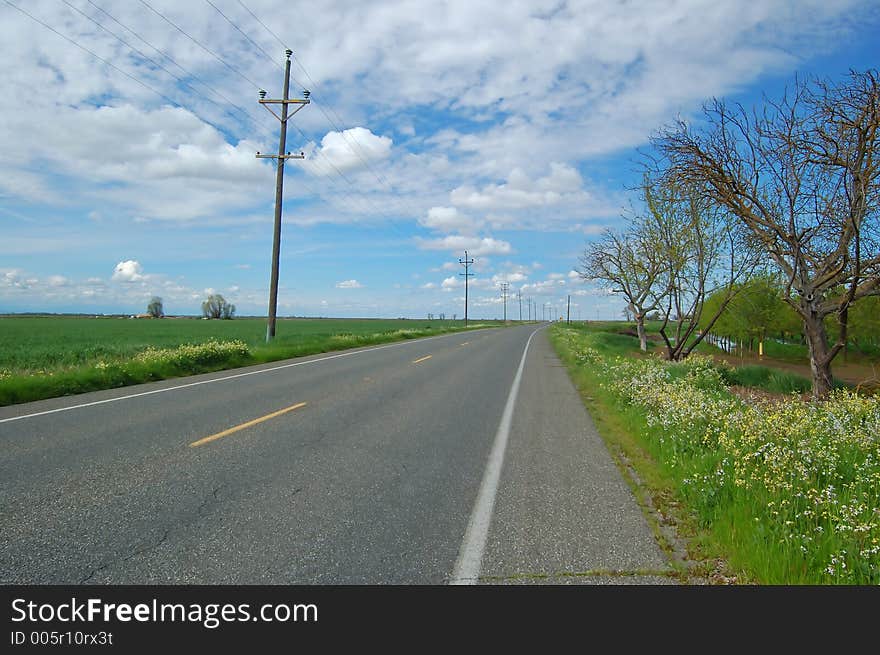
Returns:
(56,367)
(785,491)
(768,379)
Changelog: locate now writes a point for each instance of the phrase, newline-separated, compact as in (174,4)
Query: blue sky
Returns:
(512,129)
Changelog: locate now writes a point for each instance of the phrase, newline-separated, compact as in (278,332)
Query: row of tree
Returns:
(214,306)
(787,191)
(759,311)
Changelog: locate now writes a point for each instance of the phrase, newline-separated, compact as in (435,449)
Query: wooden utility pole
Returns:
(466,263)
(504,287)
(519,297)
(279,183)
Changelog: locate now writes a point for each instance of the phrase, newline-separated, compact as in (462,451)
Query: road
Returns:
(464,458)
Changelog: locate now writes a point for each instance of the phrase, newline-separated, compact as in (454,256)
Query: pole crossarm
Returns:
(287,156)
(294,101)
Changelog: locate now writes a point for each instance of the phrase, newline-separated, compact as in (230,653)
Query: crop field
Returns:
(42,357)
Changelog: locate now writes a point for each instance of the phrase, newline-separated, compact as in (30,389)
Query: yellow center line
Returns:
(421,359)
(226,433)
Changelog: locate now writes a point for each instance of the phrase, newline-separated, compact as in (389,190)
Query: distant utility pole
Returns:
(568,312)
(529,303)
(466,263)
(279,183)
(519,297)
(504,287)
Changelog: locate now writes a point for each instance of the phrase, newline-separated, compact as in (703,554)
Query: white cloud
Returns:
(58,281)
(350,149)
(449,219)
(512,277)
(128,271)
(521,192)
(451,283)
(429,285)
(349,284)
(475,246)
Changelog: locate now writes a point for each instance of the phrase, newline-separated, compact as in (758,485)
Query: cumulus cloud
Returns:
(474,245)
(512,277)
(347,150)
(449,219)
(128,271)
(349,284)
(520,191)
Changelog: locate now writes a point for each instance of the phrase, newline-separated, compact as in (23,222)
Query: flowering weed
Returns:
(792,486)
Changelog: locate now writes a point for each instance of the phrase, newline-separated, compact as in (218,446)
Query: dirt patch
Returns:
(862,375)
(753,395)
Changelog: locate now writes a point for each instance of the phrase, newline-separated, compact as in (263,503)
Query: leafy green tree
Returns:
(215,306)
(154,308)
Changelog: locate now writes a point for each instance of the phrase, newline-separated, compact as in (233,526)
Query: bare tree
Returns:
(802,174)
(628,263)
(215,306)
(704,253)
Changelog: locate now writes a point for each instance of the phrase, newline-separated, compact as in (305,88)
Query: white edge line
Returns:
(470,555)
(227,377)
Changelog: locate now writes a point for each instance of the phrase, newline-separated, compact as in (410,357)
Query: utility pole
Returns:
(504,287)
(530,303)
(279,183)
(466,263)
(519,297)
(568,312)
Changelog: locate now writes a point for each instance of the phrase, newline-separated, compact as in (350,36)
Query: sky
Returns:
(512,130)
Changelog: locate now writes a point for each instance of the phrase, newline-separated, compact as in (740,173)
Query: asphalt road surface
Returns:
(465,458)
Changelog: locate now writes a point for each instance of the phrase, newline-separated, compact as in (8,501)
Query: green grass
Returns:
(768,379)
(44,357)
(623,429)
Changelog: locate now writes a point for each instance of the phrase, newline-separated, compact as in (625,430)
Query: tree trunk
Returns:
(820,360)
(640,328)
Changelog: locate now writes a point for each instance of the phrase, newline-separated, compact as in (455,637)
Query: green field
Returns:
(43,357)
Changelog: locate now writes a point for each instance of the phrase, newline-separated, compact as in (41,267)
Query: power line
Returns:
(186,71)
(159,65)
(95,55)
(256,122)
(265,27)
(256,45)
(308,187)
(198,43)
(353,144)
(347,197)
(296,127)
